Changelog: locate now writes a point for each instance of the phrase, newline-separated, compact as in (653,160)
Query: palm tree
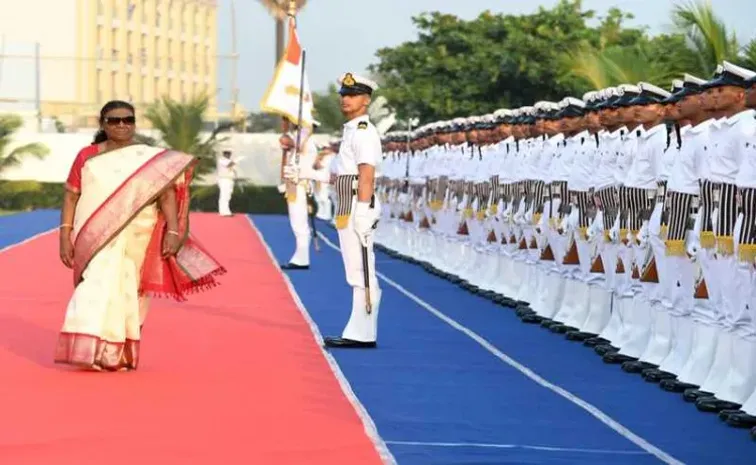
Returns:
(180,125)
(616,65)
(280,9)
(9,124)
(707,34)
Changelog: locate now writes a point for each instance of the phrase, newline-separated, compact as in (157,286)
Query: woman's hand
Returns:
(66,248)
(171,245)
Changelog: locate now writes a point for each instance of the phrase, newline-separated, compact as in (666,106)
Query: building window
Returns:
(130,59)
(128,85)
(98,86)
(143,56)
(156,89)
(114,55)
(100,53)
(130,10)
(113,91)
(100,7)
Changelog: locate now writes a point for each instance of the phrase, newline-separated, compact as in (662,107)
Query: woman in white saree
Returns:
(125,233)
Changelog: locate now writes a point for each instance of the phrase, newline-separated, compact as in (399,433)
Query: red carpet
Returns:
(233,376)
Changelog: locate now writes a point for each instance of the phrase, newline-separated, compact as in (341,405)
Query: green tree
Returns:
(458,67)
(749,55)
(9,124)
(328,110)
(180,126)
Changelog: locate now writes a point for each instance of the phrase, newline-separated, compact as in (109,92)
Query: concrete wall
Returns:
(261,151)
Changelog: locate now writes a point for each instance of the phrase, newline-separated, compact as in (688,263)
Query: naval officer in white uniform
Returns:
(226,173)
(356,166)
(302,176)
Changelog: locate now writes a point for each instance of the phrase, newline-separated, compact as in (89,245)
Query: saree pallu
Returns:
(117,233)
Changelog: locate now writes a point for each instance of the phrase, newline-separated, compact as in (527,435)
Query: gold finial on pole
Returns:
(292,8)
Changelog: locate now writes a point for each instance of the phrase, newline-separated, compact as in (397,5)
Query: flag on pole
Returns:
(282,96)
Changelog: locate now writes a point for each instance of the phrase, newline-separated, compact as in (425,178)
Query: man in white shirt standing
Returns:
(226,173)
(301,176)
(358,211)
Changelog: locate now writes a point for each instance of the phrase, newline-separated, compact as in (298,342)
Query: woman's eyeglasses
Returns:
(116,120)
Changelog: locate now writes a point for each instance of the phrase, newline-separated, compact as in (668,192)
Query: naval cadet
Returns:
(356,166)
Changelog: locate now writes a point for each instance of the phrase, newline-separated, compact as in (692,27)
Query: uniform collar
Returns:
(353,122)
(737,117)
(654,130)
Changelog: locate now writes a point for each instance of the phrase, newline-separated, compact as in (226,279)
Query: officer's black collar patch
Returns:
(362,125)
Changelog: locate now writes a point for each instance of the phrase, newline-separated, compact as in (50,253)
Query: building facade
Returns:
(92,51)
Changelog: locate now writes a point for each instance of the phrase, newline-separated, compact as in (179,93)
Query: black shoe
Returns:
(693,394)
(561,329)
(753,433)
(604,349)
(674,385)
(655,375)
(637,366)
(292,266)
(522,311)
(595,341)
(714,405)
(532,318)
(725,414)
(617,358)
(741,420)
(338,342)
(578,336)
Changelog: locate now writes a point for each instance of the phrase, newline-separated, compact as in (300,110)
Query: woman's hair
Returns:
(101,136)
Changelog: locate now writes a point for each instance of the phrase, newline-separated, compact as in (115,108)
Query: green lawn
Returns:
(6,212)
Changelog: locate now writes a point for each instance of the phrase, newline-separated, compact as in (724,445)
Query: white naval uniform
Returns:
(298,208)
(226,175)
(732,376)
(322,193)
(361,144)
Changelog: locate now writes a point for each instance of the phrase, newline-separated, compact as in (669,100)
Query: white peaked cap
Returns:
(738,70)
(693,79)
(656,90)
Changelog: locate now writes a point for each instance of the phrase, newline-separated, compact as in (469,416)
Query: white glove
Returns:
(643,234)
(281,188)
(693,247)
(615,231)
(528,218)
(654,223)
(463,204)
(573,219)
(364,220)
(291,173)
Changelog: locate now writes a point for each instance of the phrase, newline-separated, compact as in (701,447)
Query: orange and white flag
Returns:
(282,96)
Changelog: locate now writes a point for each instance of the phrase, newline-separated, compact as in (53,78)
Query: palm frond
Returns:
(707,34)
(180,125)
(279,9)
(9,124)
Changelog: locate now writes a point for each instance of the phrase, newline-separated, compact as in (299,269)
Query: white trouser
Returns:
(323,198)
(225,190)
(300,227)
(361,326)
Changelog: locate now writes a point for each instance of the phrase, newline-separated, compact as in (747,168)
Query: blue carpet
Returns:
(19,226)
(438,397)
